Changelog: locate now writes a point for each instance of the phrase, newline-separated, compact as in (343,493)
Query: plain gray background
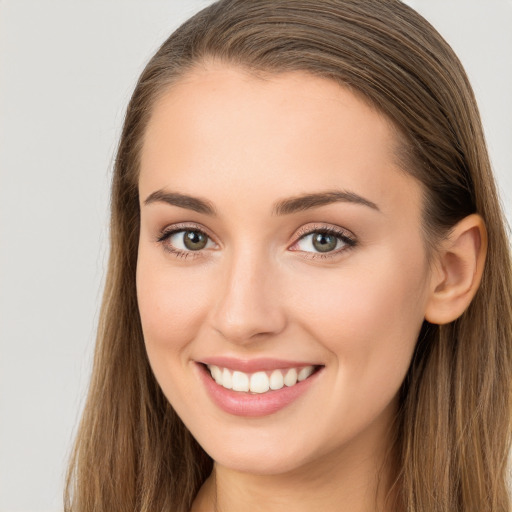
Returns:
(67,70)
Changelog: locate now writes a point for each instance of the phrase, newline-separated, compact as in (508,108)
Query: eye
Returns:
(185,241)
(324,241)
(189,240)
(319,242)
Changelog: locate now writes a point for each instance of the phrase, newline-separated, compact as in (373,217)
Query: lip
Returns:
(254,405)
(261,364)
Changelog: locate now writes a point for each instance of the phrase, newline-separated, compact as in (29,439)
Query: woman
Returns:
(308,301)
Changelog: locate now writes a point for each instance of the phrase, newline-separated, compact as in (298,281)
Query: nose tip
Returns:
(243,319)
(248,308)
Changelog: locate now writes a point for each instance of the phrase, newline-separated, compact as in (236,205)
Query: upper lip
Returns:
(254,365)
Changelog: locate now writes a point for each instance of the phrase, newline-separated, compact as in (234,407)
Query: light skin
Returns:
(226,154)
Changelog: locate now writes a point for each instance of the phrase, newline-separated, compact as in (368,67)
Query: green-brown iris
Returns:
(194,240)
(324,242)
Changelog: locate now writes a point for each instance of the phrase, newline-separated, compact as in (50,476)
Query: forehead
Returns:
(289,133)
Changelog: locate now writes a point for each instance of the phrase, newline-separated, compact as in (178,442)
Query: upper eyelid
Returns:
(185,226)
(315,228)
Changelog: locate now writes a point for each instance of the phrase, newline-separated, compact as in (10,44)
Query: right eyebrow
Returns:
(315,200)
(182,201)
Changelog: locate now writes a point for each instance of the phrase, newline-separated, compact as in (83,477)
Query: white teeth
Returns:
(259,382)
(290,378)
(227,380)
(216,374)
(304,373)
(240,381)
(276,380)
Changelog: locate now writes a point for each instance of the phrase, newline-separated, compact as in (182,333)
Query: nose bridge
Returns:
(247,304)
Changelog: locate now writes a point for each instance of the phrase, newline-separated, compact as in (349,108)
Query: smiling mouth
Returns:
(260,382)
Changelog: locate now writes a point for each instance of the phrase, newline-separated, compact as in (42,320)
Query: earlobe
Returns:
(458,270)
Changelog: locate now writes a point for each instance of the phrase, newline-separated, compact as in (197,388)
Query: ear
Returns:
(457,271)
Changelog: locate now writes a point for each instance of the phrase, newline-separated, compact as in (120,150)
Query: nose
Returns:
(249,305)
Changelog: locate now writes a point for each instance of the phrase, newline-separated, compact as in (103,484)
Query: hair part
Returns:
(453,429)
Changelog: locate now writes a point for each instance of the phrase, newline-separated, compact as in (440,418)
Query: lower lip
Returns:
(253,404)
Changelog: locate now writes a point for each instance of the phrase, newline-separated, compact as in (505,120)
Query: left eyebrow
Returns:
(307,201)
(182,201)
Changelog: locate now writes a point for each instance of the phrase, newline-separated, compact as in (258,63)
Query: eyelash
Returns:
(346,238)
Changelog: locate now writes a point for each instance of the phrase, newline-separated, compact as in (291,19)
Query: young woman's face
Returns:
(279,239)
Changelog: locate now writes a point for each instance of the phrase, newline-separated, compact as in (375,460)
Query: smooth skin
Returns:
(256,285)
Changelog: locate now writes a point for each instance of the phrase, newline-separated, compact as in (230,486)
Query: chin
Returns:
(261,457)
(260,464)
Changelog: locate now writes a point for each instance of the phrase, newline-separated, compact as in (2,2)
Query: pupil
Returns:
(324,242)
(194,240)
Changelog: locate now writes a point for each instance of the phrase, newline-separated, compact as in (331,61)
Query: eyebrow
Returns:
(307,201)
(283,207)
(182,200)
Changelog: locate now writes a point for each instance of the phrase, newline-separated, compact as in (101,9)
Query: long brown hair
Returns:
(132,452)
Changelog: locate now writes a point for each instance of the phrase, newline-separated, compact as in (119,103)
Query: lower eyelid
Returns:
(331,255)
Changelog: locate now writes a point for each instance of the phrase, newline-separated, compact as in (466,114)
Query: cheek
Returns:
(171,311)
(372,314)
(170,307)
(369,322)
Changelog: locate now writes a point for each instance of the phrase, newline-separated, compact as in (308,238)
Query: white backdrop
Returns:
(66,72)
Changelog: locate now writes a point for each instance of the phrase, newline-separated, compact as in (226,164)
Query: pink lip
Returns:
(253,405)
(254,365)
